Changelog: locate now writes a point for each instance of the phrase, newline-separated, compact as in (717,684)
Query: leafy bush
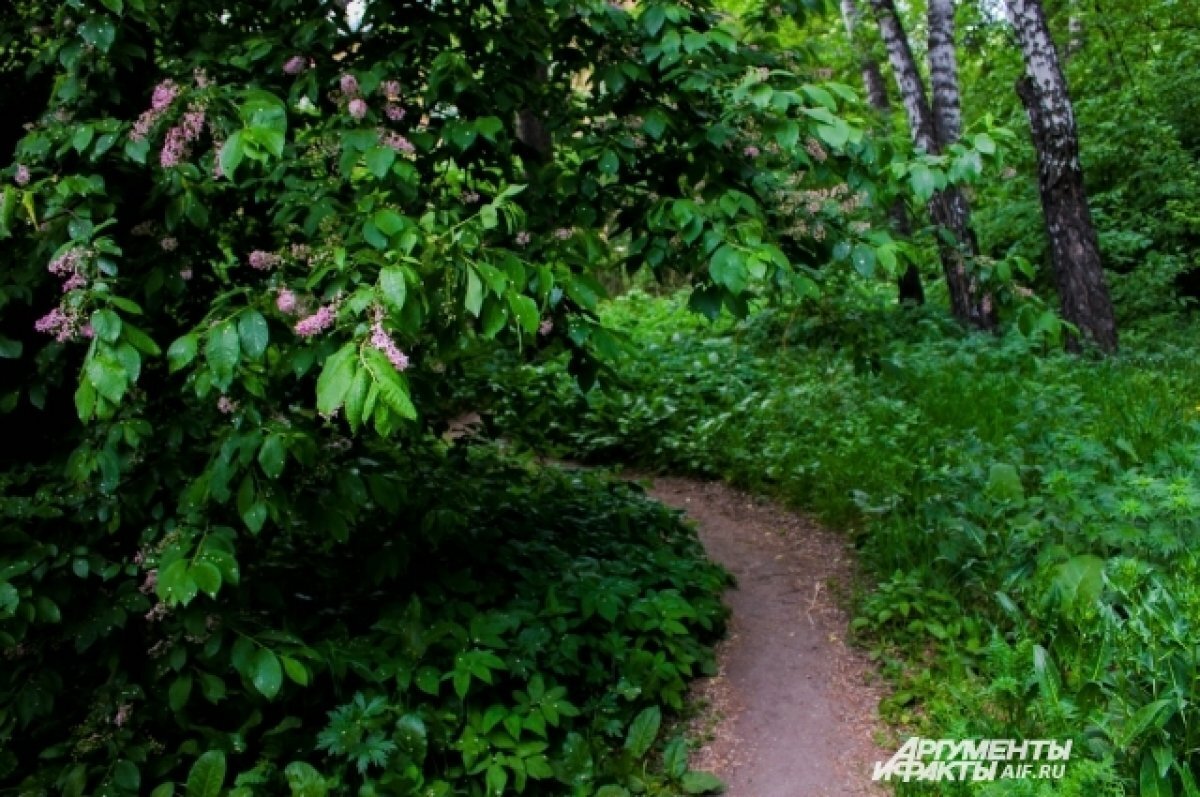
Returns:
(241,239)
(1031,518)
(503,628)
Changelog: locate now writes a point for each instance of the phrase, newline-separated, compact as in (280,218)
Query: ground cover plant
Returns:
(502,629)
(1029,517)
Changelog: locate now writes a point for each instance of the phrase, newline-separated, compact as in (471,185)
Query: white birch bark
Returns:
(1074,247)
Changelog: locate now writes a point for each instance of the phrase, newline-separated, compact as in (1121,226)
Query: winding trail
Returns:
(791,712)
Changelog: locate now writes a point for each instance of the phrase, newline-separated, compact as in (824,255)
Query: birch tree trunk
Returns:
(909,283)
(1074,247)
(948,208)
(943,72)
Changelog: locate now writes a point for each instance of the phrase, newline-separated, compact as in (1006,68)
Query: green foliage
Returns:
(248,244)
(508,630)
(1030,517)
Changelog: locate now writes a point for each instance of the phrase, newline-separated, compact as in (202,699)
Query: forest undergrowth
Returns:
(1028,516)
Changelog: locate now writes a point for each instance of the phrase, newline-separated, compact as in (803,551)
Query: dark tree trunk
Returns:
(1074,247)
(911,291)
(949,208)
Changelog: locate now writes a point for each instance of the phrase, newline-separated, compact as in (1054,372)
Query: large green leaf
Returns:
(336,378)
(223,351)
(253,333)
(643,731)
(702,783)
(266,672)
(207,775)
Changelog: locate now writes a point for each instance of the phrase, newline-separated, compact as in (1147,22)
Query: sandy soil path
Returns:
(792,711)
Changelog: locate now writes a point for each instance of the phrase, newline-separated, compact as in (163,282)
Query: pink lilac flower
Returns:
(357,108)
(122,715)
(66,264)
(390,89)
(150,584)
(185,274)
(394,112)
(263,260)
(316,323)
(546,327)
(381,340)
(74,282)
(192,123)
(286,301)
(169,244)
(470,197)
(87,331)
(54,322)
(751,152)
(22,175)
(141,128)
(302,252)
(201,78)
(295,65)
(164,94)
(157,613)
(398,142)
(173,150)
(226,405)
(523,238)
(349,84)
(563,233)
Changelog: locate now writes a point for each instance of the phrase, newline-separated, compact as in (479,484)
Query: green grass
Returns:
(1030,517)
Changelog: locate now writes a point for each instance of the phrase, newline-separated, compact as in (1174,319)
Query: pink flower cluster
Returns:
(285,300)
(169,244)
(397,142)
(751,151)
(302,252)
(67,263)
(523,238)
(226,405)
(295,65)
(349,85)
(22,176)
(390,89)
(546,327)
(74,282)
(164,94)
(381,340)
(318,322)
(64,325)
(357,107)
(263,260)
(181,136)
(394,112)
(563,233)
(64,322)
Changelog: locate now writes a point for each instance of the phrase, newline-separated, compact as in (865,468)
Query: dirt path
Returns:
(791,712)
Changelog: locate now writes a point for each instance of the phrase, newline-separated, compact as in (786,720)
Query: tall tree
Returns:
(948,207)
(943,72)
(1074,246)
(909,283)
